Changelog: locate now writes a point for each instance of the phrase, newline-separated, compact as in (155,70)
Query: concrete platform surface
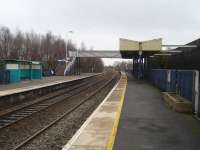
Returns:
(25,85)
(147,124)
(97,132)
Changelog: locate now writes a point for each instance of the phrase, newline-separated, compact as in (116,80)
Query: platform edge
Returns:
(116,122)
(78,132)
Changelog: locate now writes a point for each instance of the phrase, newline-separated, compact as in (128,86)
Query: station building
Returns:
(12,70)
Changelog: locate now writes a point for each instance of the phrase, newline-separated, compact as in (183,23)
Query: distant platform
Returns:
(6,89)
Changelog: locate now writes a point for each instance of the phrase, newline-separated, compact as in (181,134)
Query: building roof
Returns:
(19,61)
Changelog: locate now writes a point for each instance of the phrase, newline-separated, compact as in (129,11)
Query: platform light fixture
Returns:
(164,54)
(171,51)
(186,46)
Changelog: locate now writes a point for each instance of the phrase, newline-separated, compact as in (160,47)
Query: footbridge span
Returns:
(139,51)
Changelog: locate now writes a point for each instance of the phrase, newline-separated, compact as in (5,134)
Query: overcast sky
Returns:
(100,23)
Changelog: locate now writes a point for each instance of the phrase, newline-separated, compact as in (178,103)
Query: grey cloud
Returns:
(175,20)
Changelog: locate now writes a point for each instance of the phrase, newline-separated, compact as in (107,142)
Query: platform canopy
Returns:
(150,45)
(131,48)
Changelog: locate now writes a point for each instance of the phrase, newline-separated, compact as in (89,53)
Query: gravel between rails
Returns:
(57,136)
(13,135)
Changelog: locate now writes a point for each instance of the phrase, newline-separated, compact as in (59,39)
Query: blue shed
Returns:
(25,69)
(12,70)
(36,69)
(12,66)
(4,74)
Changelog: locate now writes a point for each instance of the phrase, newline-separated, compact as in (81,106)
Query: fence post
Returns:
(195,102)
(168,81)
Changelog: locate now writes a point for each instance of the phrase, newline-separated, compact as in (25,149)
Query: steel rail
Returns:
(62,116)
(44,97)
(38,108)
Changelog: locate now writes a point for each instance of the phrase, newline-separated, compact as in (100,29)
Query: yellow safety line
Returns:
(116,122)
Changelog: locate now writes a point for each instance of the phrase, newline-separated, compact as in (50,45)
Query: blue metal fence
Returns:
(180,81)
(159,78)
(183,82)
(173,80)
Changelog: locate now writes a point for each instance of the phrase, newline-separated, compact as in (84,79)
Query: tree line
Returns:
(46,48)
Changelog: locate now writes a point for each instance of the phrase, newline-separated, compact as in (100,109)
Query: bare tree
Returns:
(6,41)
(47,48)
(18,42)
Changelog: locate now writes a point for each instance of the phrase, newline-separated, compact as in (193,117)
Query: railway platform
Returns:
(147,124)
(97,133)
(40,82)
(15,94)
(31,85)
(136,118)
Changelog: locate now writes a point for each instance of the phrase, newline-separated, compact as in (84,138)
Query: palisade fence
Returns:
(182,82)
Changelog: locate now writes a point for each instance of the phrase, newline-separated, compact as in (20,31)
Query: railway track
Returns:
(43,103)
(63,115)
(94,85)
(40,98)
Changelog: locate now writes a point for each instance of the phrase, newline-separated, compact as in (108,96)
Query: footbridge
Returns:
(139,51)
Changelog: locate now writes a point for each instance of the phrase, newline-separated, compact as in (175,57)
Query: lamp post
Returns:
(68,41)
(66,55)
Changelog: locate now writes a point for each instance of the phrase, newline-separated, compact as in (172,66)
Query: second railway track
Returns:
(28,110)
(86,90)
